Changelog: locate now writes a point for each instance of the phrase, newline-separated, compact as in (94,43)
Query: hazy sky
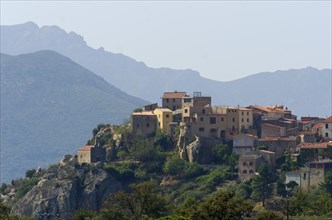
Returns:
(222,40)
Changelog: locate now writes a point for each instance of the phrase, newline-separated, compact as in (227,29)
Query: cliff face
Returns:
(60,193)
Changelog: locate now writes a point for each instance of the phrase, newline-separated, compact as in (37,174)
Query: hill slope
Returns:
(48,106)
(306,91)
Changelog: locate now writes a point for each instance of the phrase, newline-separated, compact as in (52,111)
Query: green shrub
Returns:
(25,186)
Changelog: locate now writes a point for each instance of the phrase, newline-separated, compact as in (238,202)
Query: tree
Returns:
(263,184)
(83,214)
(174,166)
(121,154)
(29,173)
(144,202)
(223,205)
(326,185)
(262,147)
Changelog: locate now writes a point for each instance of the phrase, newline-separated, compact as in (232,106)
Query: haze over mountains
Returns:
(306,91)
(49,106)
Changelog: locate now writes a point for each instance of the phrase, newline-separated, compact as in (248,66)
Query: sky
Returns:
(223,40)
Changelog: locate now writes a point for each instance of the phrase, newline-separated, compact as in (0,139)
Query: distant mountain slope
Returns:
(49,104)
(306,91)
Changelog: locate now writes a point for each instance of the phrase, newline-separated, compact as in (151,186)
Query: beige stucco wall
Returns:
(164,117)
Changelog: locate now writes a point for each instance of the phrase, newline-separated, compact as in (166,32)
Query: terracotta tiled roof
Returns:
(174,95)
(328,120)
(271,125)
(86,148)
(315,145)
(317,126)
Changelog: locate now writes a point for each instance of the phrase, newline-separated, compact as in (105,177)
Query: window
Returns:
(213,120)
(222,118)
(147,125)
(247,119)
(185,110)
(201,119)
(173,100)
(326,126)
(167,100)
(203,111)
(247,113)
(233,128)
(137,126)
(244,164)
(242,120)
(251,171)
(235,110)
(167,115)
(186,100)
(326,134)
(213,130)
(244,171)
(201,129)
(304,176)
(174,107)
(159,124)
(229,110)
(233,119)
(242,113)
(250,163)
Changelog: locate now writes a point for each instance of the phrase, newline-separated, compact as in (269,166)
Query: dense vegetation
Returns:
(158,185)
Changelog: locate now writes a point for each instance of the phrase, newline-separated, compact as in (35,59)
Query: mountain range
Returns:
(49,106)
(306,91)
(50,101)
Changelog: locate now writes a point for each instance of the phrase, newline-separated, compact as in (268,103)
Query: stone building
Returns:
(279,145)
(315,151)
(173,100)
(144,123)
(219,122)
(327,129)
(311,176)
(91,154)
(244,143)
(248,165)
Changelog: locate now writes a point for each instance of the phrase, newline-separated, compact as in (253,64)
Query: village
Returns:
(259,135)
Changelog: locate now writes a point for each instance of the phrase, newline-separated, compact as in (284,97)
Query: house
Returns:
(244,143)
(173,100)
(279,145)
(269,130)
(327,129)
(311,176)
(248,165)
(149,107)
(219,122)
(315,151)
(275,115)
(144,123)
(164,118)
(91,154)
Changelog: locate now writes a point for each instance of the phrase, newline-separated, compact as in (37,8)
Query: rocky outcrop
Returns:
(196,149)
(59,193)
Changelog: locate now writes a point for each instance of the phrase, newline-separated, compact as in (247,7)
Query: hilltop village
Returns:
(258,135)
(187,159)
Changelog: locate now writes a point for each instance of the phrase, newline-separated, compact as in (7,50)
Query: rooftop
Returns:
(174,95)
(321,145)
(163,109)
(147,113)
(328,120)
(86,148)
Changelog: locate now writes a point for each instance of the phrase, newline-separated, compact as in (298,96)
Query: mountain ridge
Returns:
(49,104)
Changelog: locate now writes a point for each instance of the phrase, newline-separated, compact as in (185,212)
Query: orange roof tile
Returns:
(86,148)
(328,120)
(314,145)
